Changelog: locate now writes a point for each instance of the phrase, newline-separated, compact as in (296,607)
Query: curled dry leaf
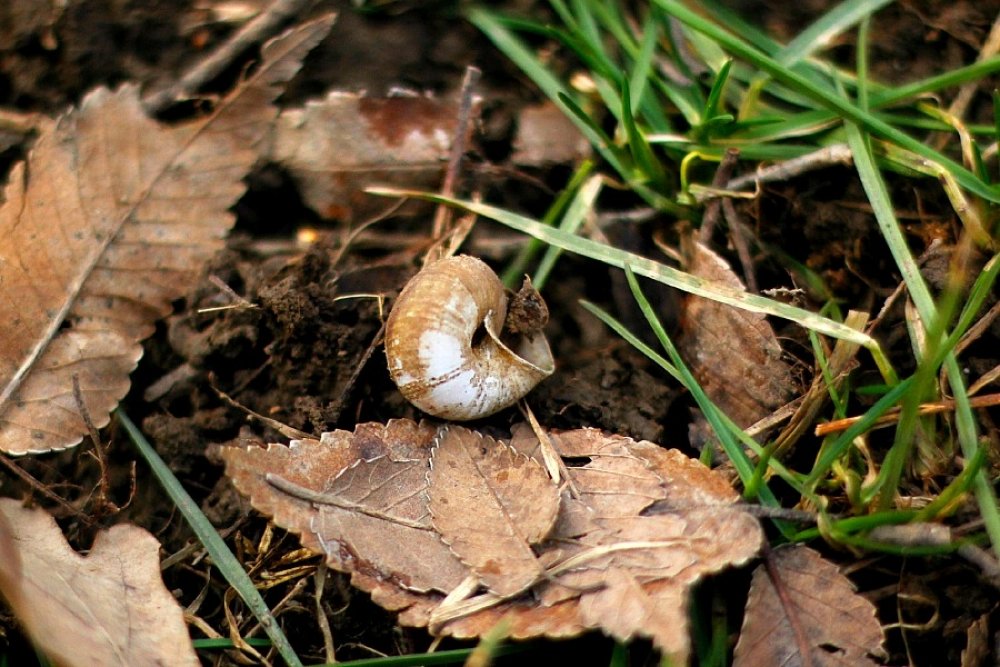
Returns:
(107,608)
(338,146)
(515,501)
(107,223)
(733,353)
(618,554)
(802,611)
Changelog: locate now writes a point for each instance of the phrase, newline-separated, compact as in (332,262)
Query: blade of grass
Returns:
(659,272)
(834,450)
(495,28)
(826,98)
(223,644)
(519,265)
(727,428)
(452,657)
(743,466)
(222,557)
(814,38)
(821,32)
(642,153)
(576,213)
(878,196)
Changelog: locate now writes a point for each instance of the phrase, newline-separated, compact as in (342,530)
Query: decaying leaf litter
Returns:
(325,369)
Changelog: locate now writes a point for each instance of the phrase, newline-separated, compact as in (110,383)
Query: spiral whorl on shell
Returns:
(443,343)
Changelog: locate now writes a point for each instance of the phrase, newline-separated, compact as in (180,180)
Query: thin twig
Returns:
(41,489)
(892,416)
(345,391)
(324,623)
(837,154)
(263,26)
(738,233)
(284,429)
(714,207)
(442,217)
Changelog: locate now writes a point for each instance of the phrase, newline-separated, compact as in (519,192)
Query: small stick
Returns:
(892,416)
(345,392)
(98,453)
(324,623)
(442,217)
(263,26)
(722,176)
(554,464)
(782,171)
(284,429)
(738,232)
(43,490)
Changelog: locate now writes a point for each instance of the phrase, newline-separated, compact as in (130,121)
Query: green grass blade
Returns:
(225,644)
(642,70)
(875,188)
(650,269)
(714,100)
(518,267)
(451,657)
(818,35)
(827,98)
(577,211)
(642,153)
(222,557)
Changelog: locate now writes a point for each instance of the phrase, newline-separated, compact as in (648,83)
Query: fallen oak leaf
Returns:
(514,502)
(110,220)
(803,611)
(107,608)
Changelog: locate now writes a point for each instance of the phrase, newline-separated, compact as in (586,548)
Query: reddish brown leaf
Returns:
(802,611)
(733,353)
(109,221)
(337,146)
(490,504)
(107,608)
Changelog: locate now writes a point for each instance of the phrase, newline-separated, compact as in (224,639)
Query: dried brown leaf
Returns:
(802,611)
(649,523)
(733,353)
(359,498)
(621,556)
(337,146)
(109,221)
(107,608)
(546,136)
(513,501)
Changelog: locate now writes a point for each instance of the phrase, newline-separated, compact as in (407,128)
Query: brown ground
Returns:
(308,360)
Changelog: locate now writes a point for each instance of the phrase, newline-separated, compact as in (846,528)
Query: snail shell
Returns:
(443,344)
